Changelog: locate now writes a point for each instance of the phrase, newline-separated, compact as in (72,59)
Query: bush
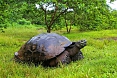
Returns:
(24,22)
(2,27)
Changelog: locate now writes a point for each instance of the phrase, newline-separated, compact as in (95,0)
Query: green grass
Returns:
(100,55)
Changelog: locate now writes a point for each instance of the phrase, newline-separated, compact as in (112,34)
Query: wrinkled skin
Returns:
(78,56)
(60,59)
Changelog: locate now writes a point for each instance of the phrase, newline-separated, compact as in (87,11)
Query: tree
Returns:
(89,14)
(3,15)
(92,15)
(60,8)
(69,20)
(50,16)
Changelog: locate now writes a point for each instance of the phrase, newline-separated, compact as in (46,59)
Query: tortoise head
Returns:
(80,44)
(18,56)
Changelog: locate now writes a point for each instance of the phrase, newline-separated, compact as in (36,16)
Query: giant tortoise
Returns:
(50,49)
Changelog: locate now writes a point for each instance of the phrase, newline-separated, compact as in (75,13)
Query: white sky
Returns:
(113,5)
(48,8)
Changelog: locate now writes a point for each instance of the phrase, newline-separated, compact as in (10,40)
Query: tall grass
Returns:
(100,56)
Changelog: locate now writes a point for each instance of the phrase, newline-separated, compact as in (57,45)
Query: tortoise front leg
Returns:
(78,56)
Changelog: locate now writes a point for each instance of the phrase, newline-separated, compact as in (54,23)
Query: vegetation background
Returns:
(57,14)
(92,20)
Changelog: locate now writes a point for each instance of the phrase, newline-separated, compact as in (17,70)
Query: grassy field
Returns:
(100,55)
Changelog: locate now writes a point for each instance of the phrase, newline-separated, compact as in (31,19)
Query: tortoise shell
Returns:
(43,47)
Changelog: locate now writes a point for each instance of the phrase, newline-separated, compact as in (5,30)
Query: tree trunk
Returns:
(54,17)
(66,24)
(48,29)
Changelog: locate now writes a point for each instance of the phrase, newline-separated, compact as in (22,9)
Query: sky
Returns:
(113,5)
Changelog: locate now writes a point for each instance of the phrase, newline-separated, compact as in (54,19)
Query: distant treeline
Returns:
(84,14)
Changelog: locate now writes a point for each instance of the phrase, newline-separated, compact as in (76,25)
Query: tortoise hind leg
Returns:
(78,56)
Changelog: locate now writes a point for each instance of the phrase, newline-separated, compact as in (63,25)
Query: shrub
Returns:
(24,22)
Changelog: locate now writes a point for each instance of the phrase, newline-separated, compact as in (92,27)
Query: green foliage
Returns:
(24,22)
(87,15)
